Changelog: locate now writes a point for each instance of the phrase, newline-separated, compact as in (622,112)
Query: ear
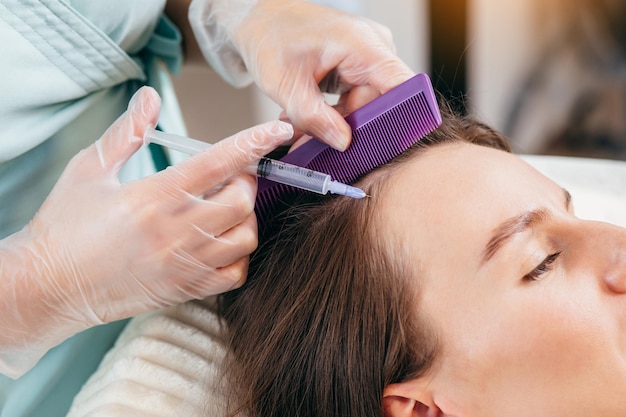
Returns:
(410,399)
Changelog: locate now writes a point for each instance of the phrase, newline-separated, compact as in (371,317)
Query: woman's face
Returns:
(528,301)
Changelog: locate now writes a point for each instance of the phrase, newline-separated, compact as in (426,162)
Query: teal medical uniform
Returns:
(68,70)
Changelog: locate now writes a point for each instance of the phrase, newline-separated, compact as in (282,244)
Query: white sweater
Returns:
(165,363)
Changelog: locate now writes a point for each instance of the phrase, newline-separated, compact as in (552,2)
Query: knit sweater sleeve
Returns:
(165,363)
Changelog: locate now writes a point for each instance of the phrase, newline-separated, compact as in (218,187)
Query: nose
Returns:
(606,251)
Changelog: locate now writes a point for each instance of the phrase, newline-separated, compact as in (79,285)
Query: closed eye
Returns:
(544,267)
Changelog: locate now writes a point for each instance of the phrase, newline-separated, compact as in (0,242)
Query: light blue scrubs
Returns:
(68,70)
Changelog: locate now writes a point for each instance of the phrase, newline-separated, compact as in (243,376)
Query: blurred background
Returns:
(550,74)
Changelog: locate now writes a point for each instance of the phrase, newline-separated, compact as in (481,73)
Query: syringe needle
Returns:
(347,190)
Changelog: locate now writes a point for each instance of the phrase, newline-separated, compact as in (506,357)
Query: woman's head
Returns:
(464,286)
(523,296)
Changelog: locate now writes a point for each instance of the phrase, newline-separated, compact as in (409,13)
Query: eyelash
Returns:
(542,268)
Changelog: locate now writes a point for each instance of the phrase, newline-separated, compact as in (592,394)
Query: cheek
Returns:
(542,343)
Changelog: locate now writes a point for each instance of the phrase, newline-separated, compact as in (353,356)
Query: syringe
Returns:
(270,169)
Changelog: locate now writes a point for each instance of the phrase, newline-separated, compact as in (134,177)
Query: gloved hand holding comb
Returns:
(296,50)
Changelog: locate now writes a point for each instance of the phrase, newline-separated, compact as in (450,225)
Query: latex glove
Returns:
(290,48)
(99,251)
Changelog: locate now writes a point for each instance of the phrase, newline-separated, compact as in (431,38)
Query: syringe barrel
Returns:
(293,175)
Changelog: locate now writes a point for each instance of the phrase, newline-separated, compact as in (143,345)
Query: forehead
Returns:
(447,200)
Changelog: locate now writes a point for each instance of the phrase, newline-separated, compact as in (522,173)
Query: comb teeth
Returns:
(381,139)
(381,130)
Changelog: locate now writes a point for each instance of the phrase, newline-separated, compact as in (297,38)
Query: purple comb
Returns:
(381,130)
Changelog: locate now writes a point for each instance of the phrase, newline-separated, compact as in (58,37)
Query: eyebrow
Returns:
(518,224)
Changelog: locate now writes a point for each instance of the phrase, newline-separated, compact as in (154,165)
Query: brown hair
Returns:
(327,317)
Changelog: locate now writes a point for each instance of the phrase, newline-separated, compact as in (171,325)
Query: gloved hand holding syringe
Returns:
(270,169)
